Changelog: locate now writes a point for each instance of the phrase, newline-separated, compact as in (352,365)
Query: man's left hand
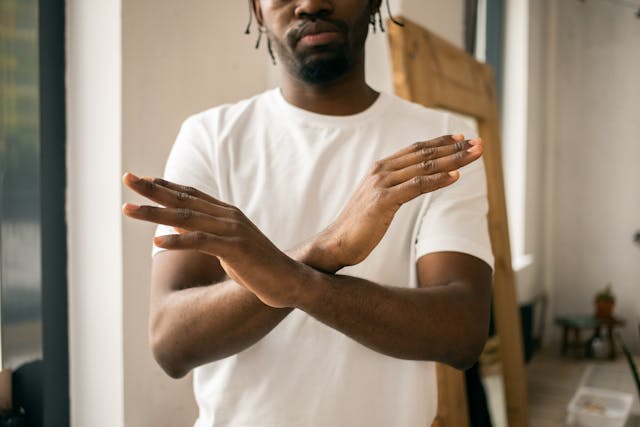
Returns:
(221,230)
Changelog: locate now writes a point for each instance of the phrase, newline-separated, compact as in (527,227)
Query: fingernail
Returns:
(475,149)
(158,241)
(130,177)
(457,137)
(454,174)
(130,207)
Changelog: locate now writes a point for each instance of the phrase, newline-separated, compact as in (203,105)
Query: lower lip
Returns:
(319,39)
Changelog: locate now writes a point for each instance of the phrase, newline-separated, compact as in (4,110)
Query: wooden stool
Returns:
(574,324)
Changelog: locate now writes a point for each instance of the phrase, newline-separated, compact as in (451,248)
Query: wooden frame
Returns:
(433,72)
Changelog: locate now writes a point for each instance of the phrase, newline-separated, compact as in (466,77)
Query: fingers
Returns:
(187,209)
(183,219)
(409,190)
(432,143)
(427,153)
(431,170)
(209,243)
(188,190)
(430,164)
(169,194)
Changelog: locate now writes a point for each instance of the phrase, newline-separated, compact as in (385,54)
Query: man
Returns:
(324,167)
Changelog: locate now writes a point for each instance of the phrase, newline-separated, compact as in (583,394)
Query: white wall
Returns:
(516,145)
(514,120)
(136,70)
(443,18)
(534,279)
(593,152)
(93,213)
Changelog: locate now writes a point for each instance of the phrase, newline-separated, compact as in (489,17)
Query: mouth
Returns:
(319,39)
(318,33)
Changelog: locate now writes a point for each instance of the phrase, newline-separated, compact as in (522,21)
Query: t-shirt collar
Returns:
(310,118)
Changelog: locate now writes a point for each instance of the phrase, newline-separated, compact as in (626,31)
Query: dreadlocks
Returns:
(372,21)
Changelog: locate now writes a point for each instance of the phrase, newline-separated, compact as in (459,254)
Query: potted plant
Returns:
(604,303)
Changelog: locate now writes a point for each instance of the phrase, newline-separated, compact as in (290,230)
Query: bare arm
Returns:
(198,315)
(445,320)
(194,321)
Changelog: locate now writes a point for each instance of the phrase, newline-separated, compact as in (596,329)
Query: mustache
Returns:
(318,25)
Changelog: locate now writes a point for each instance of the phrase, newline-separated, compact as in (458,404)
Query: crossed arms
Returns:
(222,285)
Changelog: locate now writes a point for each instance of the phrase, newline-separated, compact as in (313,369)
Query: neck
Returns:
(346,96)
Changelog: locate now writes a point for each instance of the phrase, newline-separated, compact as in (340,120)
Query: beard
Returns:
(325,64)
(323,70)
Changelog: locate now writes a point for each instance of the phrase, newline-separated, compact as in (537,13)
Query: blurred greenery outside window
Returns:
(20,183)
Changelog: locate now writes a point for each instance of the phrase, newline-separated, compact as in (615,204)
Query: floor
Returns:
(553,380)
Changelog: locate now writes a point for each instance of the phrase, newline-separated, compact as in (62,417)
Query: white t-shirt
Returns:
(291,172)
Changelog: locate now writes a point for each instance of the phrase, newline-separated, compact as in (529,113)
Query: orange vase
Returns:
(604,308)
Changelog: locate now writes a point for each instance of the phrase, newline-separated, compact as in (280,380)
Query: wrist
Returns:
(310,285)
(321,253)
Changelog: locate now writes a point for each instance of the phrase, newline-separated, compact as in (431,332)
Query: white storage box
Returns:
(596,407)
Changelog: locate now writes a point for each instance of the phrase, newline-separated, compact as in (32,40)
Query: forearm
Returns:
(201,324)
(446,323)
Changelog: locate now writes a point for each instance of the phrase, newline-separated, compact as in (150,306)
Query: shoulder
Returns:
(411,112)
(412,108)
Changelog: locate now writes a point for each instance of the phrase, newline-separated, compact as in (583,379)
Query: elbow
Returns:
(174,372)
(467,354)
(471,342)
(467,357)
(165,352)
(167,359)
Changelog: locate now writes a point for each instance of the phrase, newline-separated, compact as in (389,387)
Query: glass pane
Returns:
(20,312)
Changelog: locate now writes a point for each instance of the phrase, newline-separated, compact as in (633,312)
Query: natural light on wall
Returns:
(514,124)
(514,117)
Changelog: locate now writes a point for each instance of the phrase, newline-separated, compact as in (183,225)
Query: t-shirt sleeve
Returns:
(455,218)
(190,163)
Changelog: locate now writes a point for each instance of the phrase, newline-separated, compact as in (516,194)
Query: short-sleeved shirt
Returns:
(291,172)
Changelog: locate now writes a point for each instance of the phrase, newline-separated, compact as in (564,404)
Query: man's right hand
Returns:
(420,168)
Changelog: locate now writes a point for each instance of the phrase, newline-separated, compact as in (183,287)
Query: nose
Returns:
(314,9)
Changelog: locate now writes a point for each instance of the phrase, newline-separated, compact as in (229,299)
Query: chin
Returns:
(323,70)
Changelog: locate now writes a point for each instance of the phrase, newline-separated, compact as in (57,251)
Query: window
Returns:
(33,339)
(509,21)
